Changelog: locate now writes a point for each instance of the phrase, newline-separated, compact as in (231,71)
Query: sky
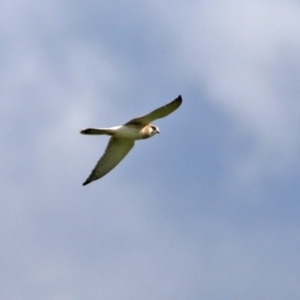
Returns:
(209,208)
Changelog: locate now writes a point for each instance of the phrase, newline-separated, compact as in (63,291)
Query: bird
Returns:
(123,138)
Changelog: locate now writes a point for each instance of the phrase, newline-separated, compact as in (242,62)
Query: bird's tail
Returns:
(97,131)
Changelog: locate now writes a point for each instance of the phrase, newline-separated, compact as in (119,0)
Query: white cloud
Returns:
(235,51)
(235,48)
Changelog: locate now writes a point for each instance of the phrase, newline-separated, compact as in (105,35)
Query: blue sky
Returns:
(208,209)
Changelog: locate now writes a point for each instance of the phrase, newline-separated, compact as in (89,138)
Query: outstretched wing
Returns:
(157,113)
(115,151)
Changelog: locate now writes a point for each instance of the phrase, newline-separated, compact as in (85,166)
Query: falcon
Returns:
(123,138)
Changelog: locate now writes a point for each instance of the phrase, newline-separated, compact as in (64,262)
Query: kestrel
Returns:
(123,138)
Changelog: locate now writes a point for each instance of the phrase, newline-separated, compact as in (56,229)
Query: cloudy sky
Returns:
(208,209)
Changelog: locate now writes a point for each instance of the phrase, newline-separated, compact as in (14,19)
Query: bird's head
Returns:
(154,130)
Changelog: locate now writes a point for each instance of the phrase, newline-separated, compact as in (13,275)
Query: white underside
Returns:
(127,132)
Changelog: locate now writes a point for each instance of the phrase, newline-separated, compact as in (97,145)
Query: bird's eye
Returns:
(154,128)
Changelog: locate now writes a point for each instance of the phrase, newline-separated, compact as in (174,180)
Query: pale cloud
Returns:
(235,51)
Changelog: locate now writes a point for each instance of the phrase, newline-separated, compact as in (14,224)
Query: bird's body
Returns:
(135,132)
(123,138)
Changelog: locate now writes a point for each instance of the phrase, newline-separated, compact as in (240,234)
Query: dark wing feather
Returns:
(115,151)
(157,113)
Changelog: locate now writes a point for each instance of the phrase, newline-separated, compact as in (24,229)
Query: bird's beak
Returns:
(157,130)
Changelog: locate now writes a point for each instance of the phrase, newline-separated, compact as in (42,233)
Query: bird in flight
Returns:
(123,138)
